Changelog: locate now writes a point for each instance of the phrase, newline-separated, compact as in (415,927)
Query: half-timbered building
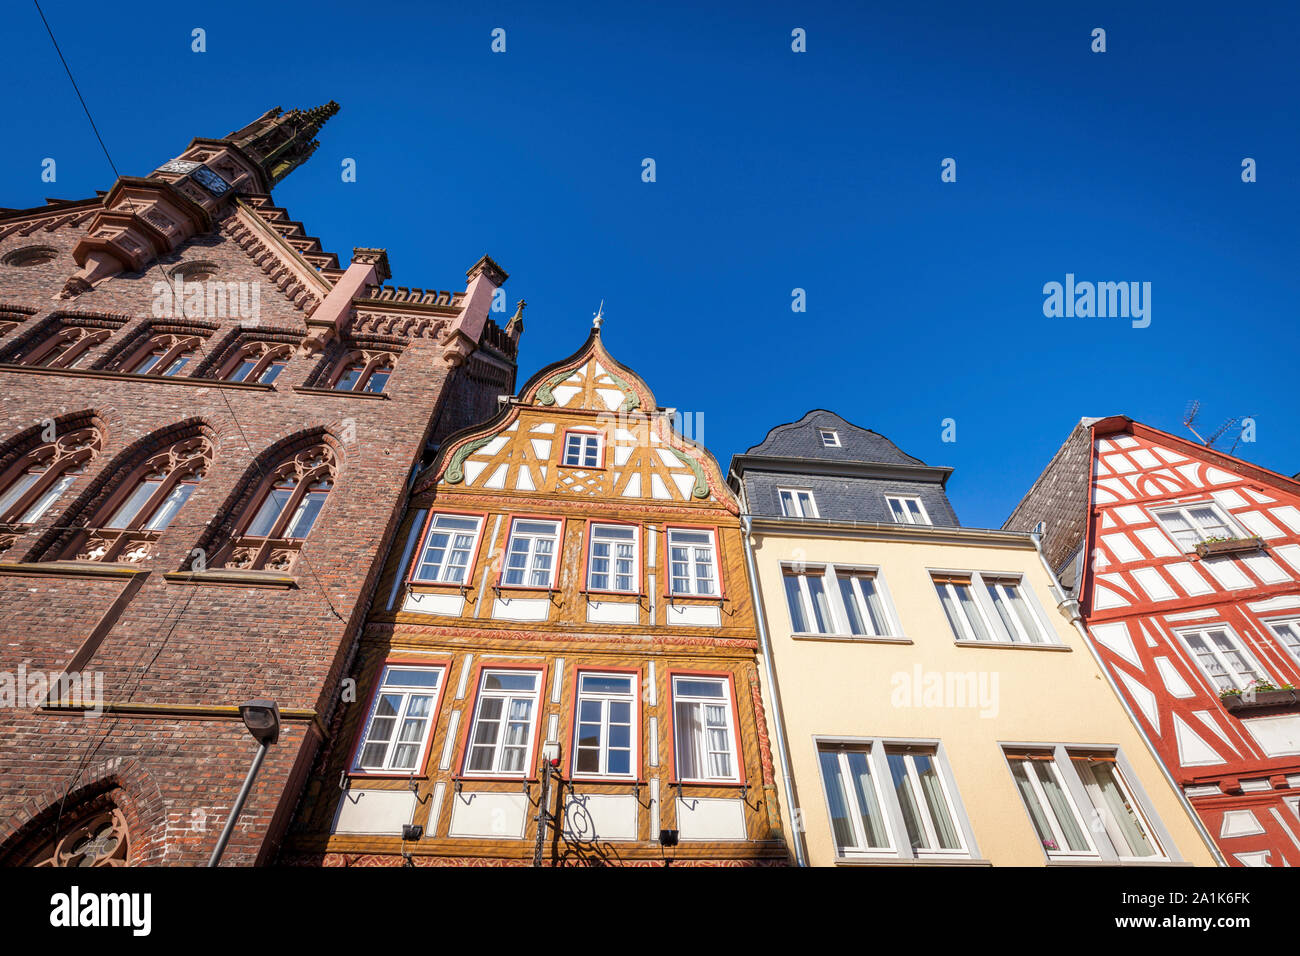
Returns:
(559,664)
(1186,563)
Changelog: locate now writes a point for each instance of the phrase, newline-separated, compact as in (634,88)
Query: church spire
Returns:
(280,142)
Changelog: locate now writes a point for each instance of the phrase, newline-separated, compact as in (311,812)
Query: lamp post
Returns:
(262,718)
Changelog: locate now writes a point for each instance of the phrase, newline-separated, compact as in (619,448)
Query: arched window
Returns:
(163,355)
(36,481)
(363,372)
(66,348)
(282,513)
(260,362)
(141,508)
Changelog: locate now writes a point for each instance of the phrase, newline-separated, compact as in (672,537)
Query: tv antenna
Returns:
(1189,420)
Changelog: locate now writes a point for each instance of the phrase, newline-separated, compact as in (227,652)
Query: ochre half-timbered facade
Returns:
(564,627)
(1188,566)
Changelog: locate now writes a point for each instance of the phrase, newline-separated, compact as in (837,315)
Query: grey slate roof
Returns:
(801,440)
(849,483)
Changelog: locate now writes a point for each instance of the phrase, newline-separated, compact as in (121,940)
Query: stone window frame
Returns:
(73,448)
(184,461)
(309,467)
(86,330)
(172,347)
(263,351)
(371,360)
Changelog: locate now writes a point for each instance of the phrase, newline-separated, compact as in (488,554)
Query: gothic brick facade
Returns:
(174,620)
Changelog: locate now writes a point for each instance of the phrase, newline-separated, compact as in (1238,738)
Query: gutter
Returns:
(778,720)
(1069,609)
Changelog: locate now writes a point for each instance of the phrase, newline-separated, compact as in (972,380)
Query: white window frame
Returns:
(877,751)
(733,743)
(1003,585)
(1292,624)
(588,439)
(864,611)
(1183,509)
(407,692)
(910,519)
(430,530)
(799,508)
(832,435)
(692,577)
(807,606)
(1102,847)
(507,697)
(923,805)
(979,582)
(632,698)
(612,574)
(1240,682)
(861,850)
(530,555)
(1126,789)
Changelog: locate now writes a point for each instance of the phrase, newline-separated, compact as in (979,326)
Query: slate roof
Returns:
(849,482)
(801,440)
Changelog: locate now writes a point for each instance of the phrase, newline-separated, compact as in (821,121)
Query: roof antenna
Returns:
(598,316)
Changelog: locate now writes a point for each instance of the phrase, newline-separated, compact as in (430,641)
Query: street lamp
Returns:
(262,718)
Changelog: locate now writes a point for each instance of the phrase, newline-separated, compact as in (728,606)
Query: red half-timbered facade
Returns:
(1187,564)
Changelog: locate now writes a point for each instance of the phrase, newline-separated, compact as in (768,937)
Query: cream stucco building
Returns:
(928,700)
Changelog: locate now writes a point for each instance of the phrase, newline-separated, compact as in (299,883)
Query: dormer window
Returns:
(796,503)
(582,449)
(907,510)
(830,437)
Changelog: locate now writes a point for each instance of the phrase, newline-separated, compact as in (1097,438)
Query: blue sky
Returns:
(775,171)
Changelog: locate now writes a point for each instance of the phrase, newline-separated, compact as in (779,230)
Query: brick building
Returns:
(208,429)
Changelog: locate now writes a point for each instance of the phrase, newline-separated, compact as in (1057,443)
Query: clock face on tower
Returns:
(210,181)
(178,166)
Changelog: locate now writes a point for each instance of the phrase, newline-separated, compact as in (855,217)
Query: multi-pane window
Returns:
(863,605)
(857,822)
(582,449)
(1223,657)
(612,562)
(1015,621)
(692,559)
(504,723)
(907,510)
(364,372)
(959,604)
(148,507)
(805,594)
(275,506)
(868,784)
(259,362)
(1288,632)
(530,554)
(830,438)
(68,348)
(923,801)
(605,734)
(448,549)
(40,478)
(703,730)
(797,504)
(1114,824)
(1189,525)
(397,728)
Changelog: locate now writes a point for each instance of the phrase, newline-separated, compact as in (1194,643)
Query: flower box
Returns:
(1212,549)
(1262,699)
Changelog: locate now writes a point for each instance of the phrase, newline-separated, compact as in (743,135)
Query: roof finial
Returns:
(598,316)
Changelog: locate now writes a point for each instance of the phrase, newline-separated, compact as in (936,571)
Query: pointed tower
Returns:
(143,219)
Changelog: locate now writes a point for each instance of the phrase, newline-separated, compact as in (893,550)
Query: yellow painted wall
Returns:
(844,688)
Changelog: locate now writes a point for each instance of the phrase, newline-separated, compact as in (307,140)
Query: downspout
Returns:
(778,720)
(1069,608)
